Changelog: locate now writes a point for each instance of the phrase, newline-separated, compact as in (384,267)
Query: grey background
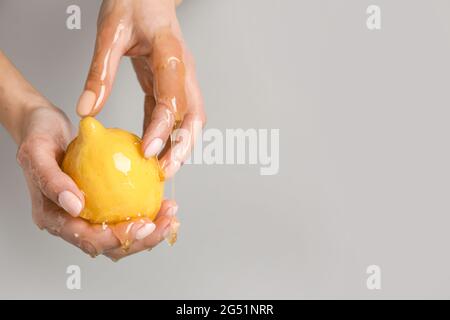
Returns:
(364,176)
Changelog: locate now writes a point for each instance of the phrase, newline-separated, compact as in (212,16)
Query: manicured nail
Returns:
(145,231)
(86,103)
(170,168)
(172,211)
(70,202)
(153,148)
(88,248)
(115,260)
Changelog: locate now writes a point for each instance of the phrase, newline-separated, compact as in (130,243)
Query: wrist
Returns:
(17,98)
(20,120)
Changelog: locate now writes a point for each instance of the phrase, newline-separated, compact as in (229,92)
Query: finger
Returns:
(167,66)
(40,162)
(109,48)
(128,231)
(183,141)
(160,123)
(192,125)
(162,120)
(145,78)
(162,226)
(92,239)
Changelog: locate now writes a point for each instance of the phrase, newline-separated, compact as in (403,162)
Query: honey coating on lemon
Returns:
(108,166)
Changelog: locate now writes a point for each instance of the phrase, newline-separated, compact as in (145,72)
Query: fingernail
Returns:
(86,103)
(172,211)
(166,232)
(115,260)
(70,202)
(171,168)
(88,248)
(145,231)
(153,148)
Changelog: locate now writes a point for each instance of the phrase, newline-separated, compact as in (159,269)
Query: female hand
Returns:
(148,32)
(57,201)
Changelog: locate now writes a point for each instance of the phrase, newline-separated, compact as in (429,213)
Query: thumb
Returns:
(41,164)
(107,53)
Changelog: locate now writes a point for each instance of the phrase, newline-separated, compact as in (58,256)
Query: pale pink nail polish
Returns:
(145,231)
(88,248)
(153,148)
(172,211)
(171,168)
(86,103)
(70,202)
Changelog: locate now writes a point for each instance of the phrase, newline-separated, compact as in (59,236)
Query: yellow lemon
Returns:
(117,181)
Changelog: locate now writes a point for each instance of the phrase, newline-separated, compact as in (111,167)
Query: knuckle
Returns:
(27,148)
(45,183)
(95,72)
(53,231)
(22,155)
(37,220)
(163,112)
(94,75)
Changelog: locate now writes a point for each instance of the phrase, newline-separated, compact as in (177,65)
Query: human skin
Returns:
(148,31)
(42,133)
